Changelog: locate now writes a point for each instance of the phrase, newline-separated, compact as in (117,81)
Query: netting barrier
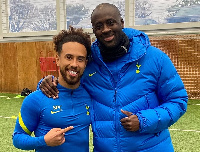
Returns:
(184,51)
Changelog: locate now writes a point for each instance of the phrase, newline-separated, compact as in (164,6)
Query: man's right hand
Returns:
(49,86)
(56,136)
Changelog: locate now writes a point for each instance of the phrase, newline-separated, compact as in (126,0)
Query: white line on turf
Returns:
(184,130)
(12,117)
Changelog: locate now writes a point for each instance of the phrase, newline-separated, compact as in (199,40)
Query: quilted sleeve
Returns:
(172,97)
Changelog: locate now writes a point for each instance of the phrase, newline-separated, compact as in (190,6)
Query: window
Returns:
(161,11)
(32,15)
(79,11)
(30,18)
(161,16)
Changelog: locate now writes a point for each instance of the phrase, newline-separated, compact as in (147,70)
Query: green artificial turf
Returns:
(185,133)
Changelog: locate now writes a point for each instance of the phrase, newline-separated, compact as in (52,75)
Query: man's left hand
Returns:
(131,122)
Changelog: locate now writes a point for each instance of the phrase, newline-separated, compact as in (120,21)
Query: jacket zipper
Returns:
(117,127)
(71,93)
(116,110)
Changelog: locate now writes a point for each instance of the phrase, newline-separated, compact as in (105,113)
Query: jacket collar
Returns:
(139,42)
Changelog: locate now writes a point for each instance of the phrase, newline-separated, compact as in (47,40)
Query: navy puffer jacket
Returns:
(144,82)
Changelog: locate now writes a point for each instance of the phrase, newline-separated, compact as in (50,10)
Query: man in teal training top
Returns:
(60,125)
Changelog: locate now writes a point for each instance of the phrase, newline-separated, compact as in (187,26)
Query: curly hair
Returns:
(72,35)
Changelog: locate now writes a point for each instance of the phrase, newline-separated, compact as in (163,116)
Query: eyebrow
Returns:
(81,57)
(77,56)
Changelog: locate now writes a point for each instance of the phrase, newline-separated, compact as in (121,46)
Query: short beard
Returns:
(69,82)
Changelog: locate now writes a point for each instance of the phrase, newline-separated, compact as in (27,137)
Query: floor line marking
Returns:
(12,117)
(184,130)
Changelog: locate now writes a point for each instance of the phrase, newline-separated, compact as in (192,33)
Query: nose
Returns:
(74,63)
(106,28)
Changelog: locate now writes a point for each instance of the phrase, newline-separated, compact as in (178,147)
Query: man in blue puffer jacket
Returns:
(136,89)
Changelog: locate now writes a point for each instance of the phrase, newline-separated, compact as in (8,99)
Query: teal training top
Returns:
(39,114)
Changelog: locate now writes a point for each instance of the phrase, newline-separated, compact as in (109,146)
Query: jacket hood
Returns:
(139,42)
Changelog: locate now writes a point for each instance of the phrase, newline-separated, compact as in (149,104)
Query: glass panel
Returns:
(161,11)
(32,15)
(79,11)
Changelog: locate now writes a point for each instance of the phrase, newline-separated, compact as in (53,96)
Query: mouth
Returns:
(73,73)
(110,38)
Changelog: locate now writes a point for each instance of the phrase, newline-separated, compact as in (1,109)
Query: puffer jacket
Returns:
(145,83)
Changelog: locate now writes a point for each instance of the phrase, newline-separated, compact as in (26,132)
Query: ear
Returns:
(122,22)
(57,60)
(86,61)
(93,30)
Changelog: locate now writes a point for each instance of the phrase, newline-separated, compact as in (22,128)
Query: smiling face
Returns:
(72,62)
(107,26)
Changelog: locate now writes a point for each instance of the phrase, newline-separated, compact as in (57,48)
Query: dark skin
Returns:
(49,86)
(131,122)
(107,27)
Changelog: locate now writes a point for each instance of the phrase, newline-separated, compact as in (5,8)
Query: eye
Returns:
(98,26)
(68,57)
(81,59)
(110,22)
